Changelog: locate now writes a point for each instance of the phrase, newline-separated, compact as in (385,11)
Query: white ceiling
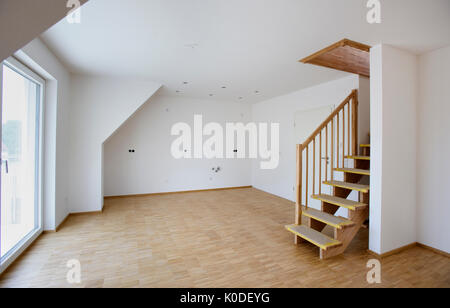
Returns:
(245,45)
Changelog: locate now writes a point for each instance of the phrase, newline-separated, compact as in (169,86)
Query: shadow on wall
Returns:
(99,106)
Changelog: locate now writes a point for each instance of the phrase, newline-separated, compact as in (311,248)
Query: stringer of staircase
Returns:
(340,133)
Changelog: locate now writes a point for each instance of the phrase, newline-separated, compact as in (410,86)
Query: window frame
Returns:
(29,74)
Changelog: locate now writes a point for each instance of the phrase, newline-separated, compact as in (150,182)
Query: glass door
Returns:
(21,216)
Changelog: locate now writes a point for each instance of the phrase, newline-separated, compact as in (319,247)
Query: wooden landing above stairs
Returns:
(345,55)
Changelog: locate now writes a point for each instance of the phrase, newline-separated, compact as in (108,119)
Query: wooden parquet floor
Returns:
(231,238)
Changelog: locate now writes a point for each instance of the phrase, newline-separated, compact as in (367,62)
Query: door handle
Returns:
(327,159)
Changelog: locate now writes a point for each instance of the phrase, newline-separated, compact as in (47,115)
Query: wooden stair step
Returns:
(358,157)
(364,145)
(319,239)
(352,170)
(349,204)
(351,186)
(331,220)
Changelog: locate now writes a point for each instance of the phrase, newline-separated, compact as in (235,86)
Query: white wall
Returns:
(56,130)
(376,95)
(152,168)
(99,105)
(281,181)
(364,110)
(148,132)
(433,149)
(394,95)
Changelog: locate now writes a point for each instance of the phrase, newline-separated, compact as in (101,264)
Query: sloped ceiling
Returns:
(23,20)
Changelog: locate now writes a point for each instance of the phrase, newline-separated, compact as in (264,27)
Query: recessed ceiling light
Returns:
(192,45)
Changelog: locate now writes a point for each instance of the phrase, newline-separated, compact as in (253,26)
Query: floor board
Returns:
(233,238)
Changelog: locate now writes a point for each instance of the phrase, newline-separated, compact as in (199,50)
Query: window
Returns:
(21,208)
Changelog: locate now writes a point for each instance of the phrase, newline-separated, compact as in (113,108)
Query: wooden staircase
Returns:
(336,137)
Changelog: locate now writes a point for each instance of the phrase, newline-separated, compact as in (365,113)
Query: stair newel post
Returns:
(326,152)
(337,140)
(355,123)
(320,163)
(314,166)
(307,176)
(332,149)
(348,129)
(343,137)
(298,205)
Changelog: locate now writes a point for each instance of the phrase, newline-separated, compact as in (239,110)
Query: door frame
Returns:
(23,70)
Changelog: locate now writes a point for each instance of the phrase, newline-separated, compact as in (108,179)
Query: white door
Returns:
(305,123)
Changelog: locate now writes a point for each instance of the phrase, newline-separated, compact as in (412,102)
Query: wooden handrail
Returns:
(328,120)
(352,145)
